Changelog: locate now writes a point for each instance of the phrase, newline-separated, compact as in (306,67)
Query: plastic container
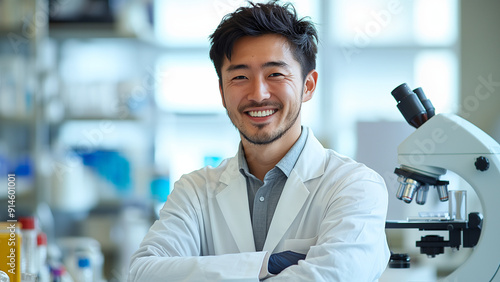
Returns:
(28,250)
(56,274)
(29,277)
(59,274)
(43,267)
(73,247)
(84,270)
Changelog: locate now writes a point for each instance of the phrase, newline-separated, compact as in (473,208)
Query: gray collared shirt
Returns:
(263,196)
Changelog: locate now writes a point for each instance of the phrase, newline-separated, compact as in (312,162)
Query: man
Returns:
(284,208)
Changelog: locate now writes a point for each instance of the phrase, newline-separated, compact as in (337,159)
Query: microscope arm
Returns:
(448,142)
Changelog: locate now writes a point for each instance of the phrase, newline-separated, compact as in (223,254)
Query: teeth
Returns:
(261,113)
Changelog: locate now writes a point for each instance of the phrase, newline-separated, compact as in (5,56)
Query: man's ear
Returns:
(221,93)
(310,85)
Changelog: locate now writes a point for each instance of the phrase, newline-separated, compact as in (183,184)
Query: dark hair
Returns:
(260,19)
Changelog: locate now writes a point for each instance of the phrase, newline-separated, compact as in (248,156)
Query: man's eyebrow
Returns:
(275,64)
(237,67)
(265,65)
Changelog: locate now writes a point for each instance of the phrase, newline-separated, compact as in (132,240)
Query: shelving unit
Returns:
(50,98)
(90,166)
(20,145)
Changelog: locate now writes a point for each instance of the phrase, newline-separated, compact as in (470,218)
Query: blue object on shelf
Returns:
(83,262)
(213,161)
(111,165)
(24,167)
(160,189)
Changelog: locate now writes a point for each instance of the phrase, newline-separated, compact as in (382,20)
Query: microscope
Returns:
(444,142)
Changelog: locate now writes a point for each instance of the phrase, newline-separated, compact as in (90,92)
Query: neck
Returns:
(262,158)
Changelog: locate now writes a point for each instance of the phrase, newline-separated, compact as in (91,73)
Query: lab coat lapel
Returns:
(233,202)
(311,164)
(291,201)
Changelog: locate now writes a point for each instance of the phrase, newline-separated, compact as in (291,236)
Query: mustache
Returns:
(253,104)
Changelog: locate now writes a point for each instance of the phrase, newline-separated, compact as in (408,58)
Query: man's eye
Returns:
(239,77)
(276,74)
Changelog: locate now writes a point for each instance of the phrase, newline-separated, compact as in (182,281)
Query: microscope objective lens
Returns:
(422,194)
(410,189)
(401,181)
(442,192)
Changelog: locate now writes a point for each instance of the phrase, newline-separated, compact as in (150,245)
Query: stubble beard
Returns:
(264,138)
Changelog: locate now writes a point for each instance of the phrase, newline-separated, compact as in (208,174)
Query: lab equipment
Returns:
(416,109)
(457,205)
(43,267)
(429,108)
(449,142)
(84,271)
(399,261)
(409,105)
(57,274)
(73,247)
(69,179)
(279,261)
(29,245)
(29,277)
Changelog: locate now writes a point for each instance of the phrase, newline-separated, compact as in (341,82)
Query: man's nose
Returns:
(259,91)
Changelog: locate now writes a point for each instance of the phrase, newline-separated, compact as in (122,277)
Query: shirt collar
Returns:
(286,164)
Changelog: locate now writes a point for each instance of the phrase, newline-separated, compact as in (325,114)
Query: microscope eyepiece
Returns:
(429,108)
(409,105)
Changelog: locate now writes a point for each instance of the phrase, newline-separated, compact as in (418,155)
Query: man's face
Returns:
(262,88)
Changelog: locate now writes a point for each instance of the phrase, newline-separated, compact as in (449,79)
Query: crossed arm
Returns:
(351,244)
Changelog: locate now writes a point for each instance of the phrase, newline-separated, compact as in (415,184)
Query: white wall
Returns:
(480,62)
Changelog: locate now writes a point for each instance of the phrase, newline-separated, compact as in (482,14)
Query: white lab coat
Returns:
(331,208)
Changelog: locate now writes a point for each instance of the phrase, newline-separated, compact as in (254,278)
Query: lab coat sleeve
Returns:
(172,249)
(351,243)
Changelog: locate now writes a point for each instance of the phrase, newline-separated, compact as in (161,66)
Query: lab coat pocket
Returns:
(300,245)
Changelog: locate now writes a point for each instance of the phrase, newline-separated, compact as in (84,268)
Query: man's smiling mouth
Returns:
(264,113)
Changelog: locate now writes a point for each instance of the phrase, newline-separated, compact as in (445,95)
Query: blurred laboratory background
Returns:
(104,104)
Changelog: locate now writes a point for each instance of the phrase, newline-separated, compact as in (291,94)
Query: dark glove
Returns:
(280,261)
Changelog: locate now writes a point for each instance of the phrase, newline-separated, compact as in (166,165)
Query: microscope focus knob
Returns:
(482,163)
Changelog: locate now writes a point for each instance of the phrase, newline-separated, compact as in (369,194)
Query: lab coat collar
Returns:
(310,165)
(311,162)
(231,199)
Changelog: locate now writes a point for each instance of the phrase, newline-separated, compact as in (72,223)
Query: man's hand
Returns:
(280,261)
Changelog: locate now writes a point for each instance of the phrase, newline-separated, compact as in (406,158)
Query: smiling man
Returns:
(284,208)
(263,88)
